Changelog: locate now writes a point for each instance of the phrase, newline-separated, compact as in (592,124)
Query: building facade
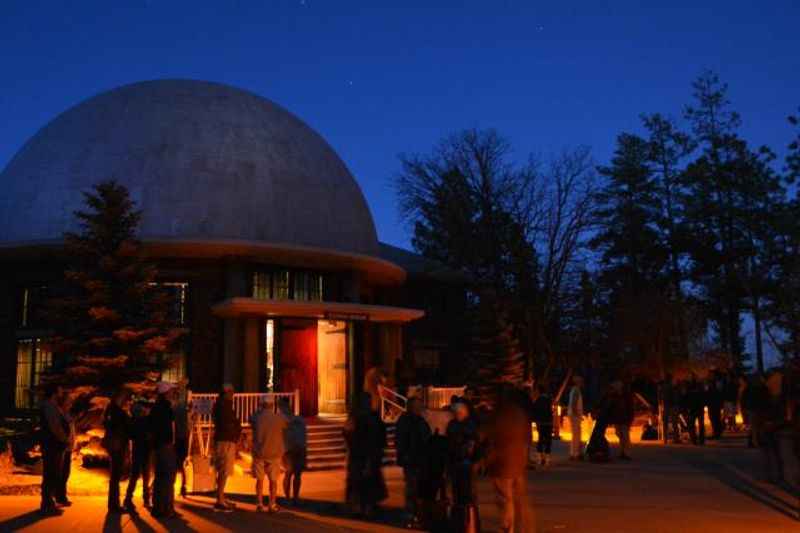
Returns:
(261,236)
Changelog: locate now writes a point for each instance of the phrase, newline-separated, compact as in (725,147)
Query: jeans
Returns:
(164,484)
(52,465)
(140,468)
(515,514)
(66,469)
(545,441)
(117,458)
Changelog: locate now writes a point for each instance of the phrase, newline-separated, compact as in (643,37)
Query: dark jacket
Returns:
(413,436)
(227,427)
(117,424)
(462,442)
(161,419)
(542,410)
(54,427)
(621,408)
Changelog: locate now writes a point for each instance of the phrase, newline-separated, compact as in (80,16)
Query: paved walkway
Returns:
(665,489)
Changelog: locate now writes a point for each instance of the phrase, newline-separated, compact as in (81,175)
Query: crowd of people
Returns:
(150,440)
(441,452)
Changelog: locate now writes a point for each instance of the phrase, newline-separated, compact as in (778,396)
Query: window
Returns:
(261,285)
(176,299)
(307,286)
(33,358)
(32,306)
(175,292)
(280,285)
(176,369)
(276,285)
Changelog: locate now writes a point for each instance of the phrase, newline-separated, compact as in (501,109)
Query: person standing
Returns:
(269,447)
(296,453)
(66,461)
(162,424)
(183,427)
(543,418)
(621,416)
(668,400)
(227,430)
(365,436)
(696,402)
(117,426)
(714,401)
(54,440)
(413,438)
(463,456)
(508,435)
(141,462)
(575,415)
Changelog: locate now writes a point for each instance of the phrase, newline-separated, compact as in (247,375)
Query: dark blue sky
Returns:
(377,78)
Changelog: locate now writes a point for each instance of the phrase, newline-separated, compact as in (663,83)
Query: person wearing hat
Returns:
(162,426)
(227,430)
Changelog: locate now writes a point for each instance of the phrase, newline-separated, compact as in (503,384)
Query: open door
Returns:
(298,361)
(332,366)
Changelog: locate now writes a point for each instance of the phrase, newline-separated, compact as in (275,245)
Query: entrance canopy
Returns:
(255,307)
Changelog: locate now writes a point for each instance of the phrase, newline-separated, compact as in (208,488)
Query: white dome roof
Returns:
(202,160)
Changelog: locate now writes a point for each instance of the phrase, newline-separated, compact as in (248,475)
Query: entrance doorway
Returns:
(332,366)
(298,361)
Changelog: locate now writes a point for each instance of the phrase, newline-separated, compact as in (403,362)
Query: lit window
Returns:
(33,359)
(261,285)
(280,285)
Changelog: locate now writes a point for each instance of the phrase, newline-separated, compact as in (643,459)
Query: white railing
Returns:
(393,404)
(244,404)
(435,397)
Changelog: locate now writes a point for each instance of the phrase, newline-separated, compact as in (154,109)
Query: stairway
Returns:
(326,447)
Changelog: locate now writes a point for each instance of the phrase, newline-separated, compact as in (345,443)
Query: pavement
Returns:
(688,489)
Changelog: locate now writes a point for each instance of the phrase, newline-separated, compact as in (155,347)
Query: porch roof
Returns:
(244,307)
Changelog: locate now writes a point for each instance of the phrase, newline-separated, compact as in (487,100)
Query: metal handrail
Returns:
(244,404)
(394,400)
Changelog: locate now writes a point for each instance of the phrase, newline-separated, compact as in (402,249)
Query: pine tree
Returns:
(496,358)
(713,184)
(109,318)
(627,213)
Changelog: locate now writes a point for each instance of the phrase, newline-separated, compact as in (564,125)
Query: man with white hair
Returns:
(227,430)
(269,446)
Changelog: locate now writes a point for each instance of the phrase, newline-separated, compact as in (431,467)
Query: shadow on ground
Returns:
(774,498)
(384,516)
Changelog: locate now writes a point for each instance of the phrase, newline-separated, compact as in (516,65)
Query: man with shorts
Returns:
(269,446)
(227,429)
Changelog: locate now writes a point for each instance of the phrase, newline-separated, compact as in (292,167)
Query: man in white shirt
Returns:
(575,415)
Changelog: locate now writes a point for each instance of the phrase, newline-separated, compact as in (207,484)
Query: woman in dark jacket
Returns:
(117,424)
(365,435)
